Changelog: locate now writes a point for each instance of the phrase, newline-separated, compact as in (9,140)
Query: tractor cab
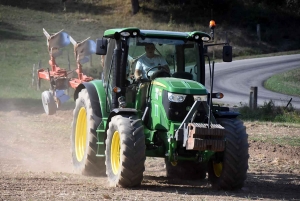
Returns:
(184,54)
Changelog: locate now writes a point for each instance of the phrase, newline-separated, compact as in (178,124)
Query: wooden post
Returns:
(33,79)
(253,98)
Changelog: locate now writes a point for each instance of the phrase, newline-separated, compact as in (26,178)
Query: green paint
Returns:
(180,86)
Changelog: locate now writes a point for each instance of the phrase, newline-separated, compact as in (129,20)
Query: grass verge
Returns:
(293,141)
(286,83)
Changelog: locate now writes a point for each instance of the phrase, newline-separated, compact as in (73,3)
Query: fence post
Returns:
(253,98)
(33,79)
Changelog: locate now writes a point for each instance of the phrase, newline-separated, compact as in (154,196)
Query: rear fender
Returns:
(97,96)
(93,94)
(224,112)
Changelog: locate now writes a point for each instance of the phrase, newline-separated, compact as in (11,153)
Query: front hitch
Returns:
(201,136)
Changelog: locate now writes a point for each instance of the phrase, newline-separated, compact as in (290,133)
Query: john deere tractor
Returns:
(118,121)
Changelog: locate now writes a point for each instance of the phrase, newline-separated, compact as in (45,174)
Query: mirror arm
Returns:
(216,44)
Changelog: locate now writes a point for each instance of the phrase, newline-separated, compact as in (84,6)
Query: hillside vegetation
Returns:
(239,19)
(23,44)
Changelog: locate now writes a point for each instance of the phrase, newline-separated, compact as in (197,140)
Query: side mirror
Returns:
(227,53)
(101,46)
(195,69)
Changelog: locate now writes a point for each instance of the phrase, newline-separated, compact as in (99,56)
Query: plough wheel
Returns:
(48,102)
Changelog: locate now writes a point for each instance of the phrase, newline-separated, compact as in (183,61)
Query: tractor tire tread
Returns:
(235,160)
(132,151)
(91,164)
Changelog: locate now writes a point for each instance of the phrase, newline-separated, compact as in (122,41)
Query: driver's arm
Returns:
(166,68)
(137,74)
(164,64)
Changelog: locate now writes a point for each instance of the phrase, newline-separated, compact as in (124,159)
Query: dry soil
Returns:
(35,164)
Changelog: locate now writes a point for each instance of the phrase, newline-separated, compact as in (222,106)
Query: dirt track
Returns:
(36,165)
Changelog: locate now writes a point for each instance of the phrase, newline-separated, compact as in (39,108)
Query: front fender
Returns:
(117,111)
(224,112)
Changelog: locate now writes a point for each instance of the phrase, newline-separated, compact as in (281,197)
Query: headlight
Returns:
(125,34)
(200,97)
(122,102)
(177,98)
(205,38)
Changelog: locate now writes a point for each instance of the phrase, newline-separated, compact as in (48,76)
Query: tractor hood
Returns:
(180,86)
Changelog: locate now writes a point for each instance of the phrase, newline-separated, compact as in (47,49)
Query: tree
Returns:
(135,6)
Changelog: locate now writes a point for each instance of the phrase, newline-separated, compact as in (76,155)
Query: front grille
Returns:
(178,111)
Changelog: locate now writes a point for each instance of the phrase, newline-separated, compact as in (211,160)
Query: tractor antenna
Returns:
(211,91)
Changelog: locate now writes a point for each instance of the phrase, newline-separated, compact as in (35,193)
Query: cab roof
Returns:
(115,33)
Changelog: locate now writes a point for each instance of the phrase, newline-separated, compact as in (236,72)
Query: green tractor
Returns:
(118,121)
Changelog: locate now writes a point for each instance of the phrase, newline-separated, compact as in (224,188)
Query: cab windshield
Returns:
(181,56)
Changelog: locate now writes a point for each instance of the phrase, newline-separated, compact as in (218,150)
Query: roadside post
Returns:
(253,98)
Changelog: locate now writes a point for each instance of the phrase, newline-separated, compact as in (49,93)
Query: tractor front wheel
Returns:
(228,170)
(125,151)
(84,138)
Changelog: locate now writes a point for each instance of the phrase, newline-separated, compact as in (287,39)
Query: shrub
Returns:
(270,112)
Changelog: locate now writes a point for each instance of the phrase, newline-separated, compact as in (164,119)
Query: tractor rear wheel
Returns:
(125,151)
(189,170)
(48,103)
(228,170)
(84,138)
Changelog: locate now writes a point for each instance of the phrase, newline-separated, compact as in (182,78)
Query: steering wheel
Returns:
(160,69)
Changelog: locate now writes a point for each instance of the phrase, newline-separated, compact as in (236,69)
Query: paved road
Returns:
(235,79)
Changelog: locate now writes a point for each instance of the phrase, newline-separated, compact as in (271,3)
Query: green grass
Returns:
(286,83)
(293,141)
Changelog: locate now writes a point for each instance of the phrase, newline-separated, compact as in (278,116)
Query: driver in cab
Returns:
(149,60)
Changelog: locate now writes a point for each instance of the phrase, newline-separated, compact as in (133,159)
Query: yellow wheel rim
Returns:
(217,169)
(174,163)
(80,134)
(115,152)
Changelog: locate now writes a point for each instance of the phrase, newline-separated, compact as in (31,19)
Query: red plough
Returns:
(59,78)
